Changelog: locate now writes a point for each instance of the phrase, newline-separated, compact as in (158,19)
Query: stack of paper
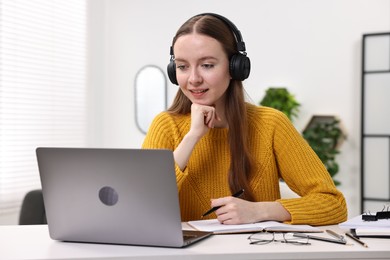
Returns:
(372,232)
(361,228)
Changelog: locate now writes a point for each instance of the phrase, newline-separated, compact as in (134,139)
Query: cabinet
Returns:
(375,128)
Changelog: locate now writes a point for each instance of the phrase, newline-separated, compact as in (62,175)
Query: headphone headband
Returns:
(232,26)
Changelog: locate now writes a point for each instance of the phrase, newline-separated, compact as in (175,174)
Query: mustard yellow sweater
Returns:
(280,153)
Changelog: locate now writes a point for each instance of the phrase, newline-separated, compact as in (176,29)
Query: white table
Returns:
(33,242)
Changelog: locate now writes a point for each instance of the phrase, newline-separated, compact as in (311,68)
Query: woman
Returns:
(221,144)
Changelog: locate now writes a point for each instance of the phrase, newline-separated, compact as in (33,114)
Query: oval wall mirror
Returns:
(150,95)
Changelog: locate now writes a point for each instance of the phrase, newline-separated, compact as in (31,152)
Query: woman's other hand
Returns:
(238,211)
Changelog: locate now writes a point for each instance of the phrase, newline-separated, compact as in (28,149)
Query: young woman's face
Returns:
(202,69)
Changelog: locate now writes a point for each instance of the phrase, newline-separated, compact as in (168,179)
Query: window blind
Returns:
(42,88)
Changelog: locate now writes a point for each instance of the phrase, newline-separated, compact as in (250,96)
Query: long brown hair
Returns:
(240,163)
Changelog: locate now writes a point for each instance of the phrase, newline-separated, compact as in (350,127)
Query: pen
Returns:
(334,234)
(356,239)
(236,195)
(331,240)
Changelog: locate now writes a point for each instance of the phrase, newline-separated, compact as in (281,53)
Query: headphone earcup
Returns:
(240,67)
(171,70)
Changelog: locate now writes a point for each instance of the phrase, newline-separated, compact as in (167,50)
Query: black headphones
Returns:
(239,64)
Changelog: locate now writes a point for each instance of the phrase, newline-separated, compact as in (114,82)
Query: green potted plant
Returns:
(282,100)
(324,135)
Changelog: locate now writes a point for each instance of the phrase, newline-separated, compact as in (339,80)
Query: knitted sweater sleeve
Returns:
(164,133)
(320,202)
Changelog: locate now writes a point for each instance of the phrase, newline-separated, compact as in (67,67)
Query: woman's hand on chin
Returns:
(202,119)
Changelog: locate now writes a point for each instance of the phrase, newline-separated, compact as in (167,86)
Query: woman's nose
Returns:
(195,76)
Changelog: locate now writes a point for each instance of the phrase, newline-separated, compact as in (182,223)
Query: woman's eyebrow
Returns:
(201,59)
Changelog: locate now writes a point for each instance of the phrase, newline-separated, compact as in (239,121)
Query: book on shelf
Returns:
(213,225)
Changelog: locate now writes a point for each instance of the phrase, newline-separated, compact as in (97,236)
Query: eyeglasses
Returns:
(262,238)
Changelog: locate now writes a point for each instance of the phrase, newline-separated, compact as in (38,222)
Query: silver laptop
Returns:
(116,196)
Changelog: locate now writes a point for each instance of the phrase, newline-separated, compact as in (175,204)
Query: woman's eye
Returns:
(208,66)
(181,67)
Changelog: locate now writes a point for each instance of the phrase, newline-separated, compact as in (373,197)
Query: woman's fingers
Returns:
(207,115)
(209,118)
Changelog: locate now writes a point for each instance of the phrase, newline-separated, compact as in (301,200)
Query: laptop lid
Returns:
(120,196)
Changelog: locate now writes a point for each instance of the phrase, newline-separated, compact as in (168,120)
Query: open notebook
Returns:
(213,225)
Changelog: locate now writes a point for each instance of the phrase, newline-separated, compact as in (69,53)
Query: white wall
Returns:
(312,47)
